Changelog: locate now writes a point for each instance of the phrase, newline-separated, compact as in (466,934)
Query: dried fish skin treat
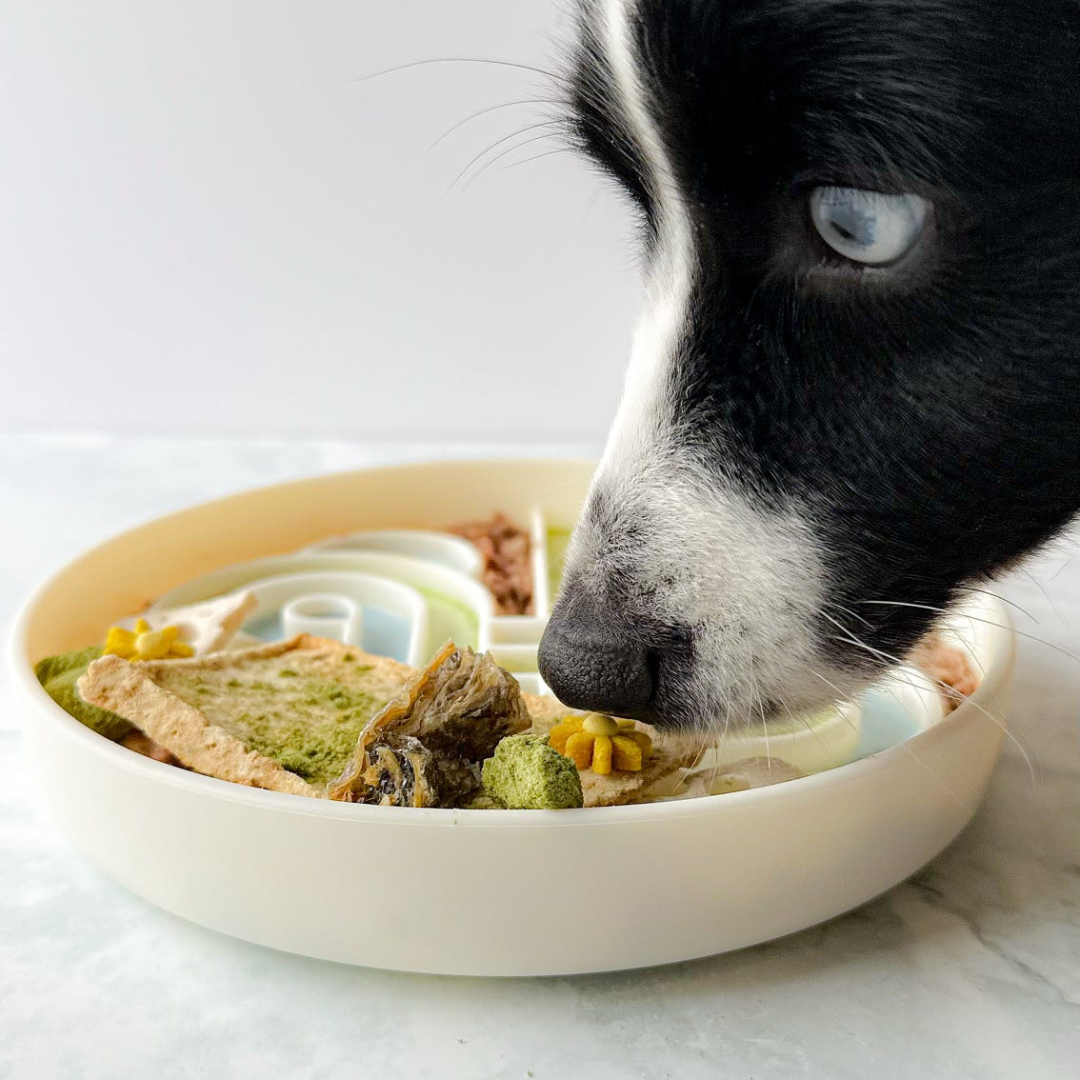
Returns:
(399,775)
(425,747)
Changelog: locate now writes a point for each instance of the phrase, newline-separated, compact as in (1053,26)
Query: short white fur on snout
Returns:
(747,582)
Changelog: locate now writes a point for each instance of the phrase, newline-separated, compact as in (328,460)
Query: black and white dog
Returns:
(855,391)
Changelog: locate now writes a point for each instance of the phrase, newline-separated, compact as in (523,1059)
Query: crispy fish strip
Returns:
(425,746)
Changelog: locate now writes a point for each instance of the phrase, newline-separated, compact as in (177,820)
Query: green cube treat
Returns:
(58,675)
(528,774)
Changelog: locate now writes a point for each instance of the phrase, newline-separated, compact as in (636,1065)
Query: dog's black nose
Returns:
(593,663)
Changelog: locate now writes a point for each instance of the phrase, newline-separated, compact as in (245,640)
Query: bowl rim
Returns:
(34,699)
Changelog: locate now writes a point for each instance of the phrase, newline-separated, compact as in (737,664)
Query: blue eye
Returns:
(867,227)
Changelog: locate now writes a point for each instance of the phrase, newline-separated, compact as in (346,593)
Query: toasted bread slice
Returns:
(284,716)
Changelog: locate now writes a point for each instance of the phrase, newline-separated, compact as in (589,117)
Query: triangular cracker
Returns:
(237,715)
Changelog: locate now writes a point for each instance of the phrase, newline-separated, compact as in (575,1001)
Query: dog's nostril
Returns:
(594,665)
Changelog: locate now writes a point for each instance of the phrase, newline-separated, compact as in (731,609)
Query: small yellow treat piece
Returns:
(601,743)
(562,731)
(602,753)
(142,643)
(626,754)
(579,747)
(644,740)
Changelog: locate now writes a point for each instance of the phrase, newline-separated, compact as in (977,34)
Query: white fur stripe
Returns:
(643,413)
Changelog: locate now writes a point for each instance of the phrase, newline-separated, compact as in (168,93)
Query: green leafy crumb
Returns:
(526,773)
(58,676)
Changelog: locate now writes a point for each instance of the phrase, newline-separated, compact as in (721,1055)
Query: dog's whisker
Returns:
(891,665)
(761,709)
(944,781)
(765,731)
(501,142)
(806,723)
(839,625)
(531,68)
(1004,600)
(1028,761)
(484,112)
(536,157)
(925,750)
(888,661)
(848,611)
(1046,595)
(716,761)
(951,776)
(509,150)
(1054,575)
(894,665)
(840,696)
(976,618)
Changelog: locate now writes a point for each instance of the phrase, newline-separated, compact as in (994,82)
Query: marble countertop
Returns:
(970,970)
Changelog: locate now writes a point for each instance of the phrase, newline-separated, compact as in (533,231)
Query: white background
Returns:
(209,225)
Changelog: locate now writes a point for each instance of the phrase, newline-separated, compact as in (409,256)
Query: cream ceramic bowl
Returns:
(472,892)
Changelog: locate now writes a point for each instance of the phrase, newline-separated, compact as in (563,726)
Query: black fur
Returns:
(928,413)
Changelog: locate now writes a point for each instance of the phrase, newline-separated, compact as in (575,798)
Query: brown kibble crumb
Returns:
(948,666)
(507,568)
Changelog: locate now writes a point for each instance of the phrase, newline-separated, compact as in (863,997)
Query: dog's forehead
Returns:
(938,91)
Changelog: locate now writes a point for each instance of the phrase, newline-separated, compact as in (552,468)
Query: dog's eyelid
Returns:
(866,180)
(890,178)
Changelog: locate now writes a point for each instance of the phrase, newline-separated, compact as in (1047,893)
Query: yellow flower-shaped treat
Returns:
(142,643)
(601,743)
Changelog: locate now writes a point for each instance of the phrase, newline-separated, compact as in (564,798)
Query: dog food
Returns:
(426,746)
(601,743)
(948,667)
(59,675)
(283,716)
(316,718)
(311,716)
(507,568)
(527,773)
